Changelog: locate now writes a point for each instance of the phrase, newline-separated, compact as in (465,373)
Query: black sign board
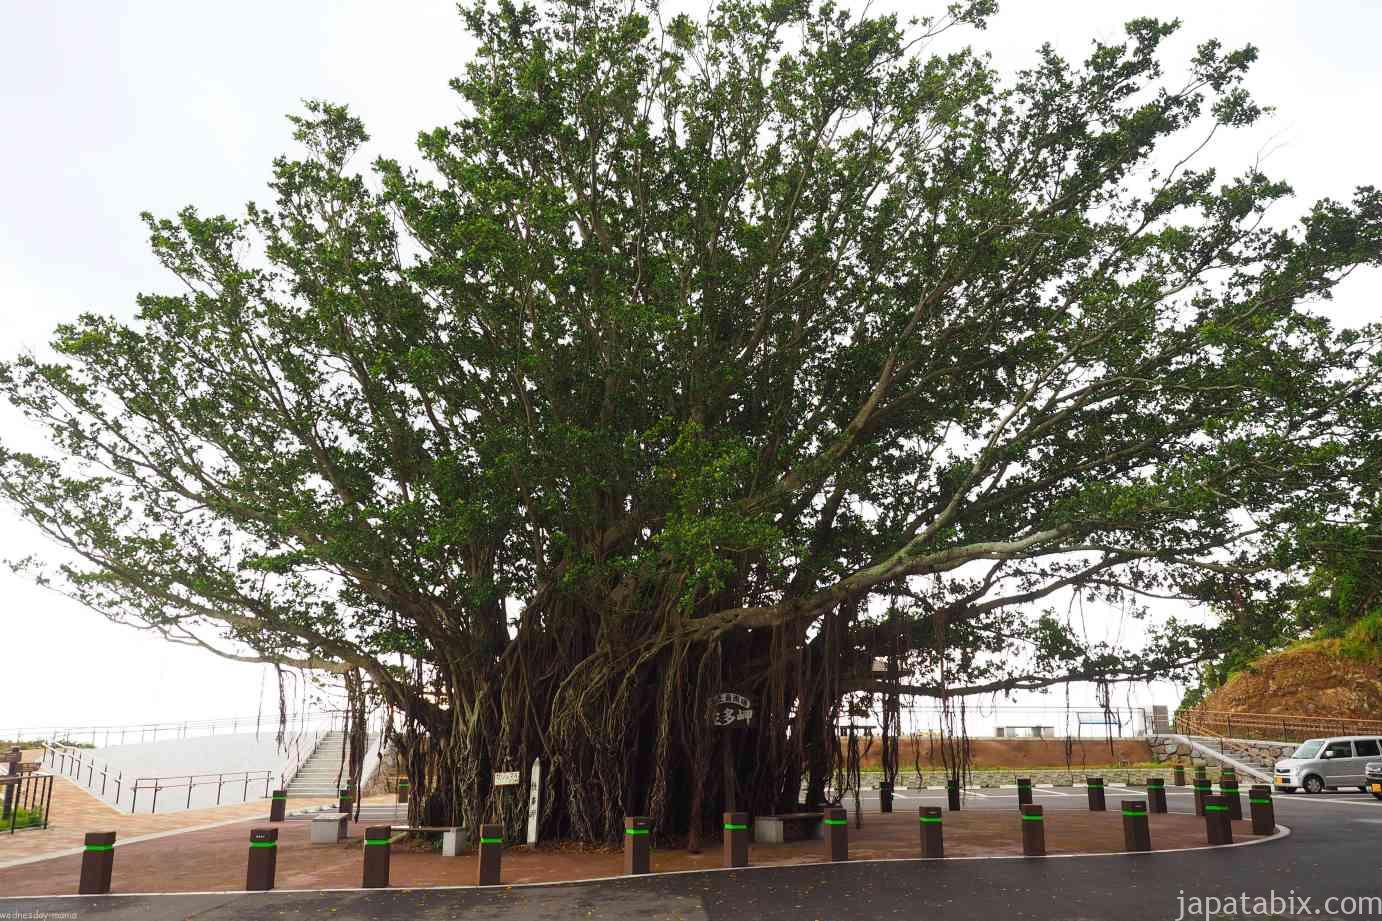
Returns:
(731,711)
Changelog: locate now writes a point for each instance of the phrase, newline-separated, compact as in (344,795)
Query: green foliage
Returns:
(1363,640)
(23,818)
(681,355)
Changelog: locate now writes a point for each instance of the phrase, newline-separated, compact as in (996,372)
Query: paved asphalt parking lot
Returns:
(1332,860)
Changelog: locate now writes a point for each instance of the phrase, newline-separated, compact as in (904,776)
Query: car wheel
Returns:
(1313,784)
(1377,796)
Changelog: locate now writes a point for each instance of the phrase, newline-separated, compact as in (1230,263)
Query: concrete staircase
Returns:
(1250,757)
(318,774)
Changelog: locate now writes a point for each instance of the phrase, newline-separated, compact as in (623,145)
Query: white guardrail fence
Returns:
(87,766)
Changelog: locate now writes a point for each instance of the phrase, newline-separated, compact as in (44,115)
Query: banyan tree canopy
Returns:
(715,355)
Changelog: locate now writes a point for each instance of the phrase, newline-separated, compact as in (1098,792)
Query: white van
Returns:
(1327,764)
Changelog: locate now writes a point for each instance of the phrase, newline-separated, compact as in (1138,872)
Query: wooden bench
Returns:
(450,836)
(793,826)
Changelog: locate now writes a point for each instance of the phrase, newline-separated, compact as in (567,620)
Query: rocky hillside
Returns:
(1310,679)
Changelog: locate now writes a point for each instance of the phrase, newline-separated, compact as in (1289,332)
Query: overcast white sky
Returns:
(114,107)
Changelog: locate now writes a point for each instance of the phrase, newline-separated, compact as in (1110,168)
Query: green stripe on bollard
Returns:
(491,840)
(729,826)
(1133,812)
(931,819)
(1032,818)
(99,847)
(1260,802)
(376,840)
(1212,808)
(263,844)
(635,831)
(278,797)
(836,821)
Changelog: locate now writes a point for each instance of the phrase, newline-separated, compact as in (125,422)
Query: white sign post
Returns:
(534,799)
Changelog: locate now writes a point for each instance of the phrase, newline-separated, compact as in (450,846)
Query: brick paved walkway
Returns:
(75,812)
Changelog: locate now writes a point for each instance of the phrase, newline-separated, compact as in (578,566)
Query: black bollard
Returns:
(1262,809)
(377,848)
(1178,775)
(347,802)
(1228,788)
(638,844)
(836,833)
(98,862)
(1202,790)
(885,796)
(1033,831)
(1024,791)
(1217,827)
(403,788)
(491,853)
(1137,835)
(263,860)
(1095,787)
(932,839)
(278,806)
(952,795)
(736,840)
(1156,794)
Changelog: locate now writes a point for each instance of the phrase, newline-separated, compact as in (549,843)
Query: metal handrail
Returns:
(177,729)
(191,783)
(69,761)
(1223,724)
(24,791)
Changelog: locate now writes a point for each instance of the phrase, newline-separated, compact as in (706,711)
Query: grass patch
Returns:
(24,818)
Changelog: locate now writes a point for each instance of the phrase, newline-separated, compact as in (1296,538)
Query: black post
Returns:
(1262,809)
(1024,791)
(638,844)
(12,759)
(836,833)
(98,862)
(376,863)
(736,852)
(885,796)
(263,860)
(278,806)
(347,801)
(403,788)
(1137,835)
(1156,794)
(932,839)
(1095,786)
(1033,831)
(491,853)
(1202,790)
(1178,775)
(952,795)
(1229,788)
(1217,827)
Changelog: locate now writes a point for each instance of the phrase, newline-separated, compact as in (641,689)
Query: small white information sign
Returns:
(534,799)
(506,778)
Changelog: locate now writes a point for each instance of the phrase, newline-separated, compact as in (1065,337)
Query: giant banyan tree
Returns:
(720,354)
